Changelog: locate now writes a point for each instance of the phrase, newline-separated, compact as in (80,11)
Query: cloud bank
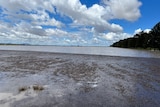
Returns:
(65,22)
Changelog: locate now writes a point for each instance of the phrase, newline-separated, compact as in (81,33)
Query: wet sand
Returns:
(39,79)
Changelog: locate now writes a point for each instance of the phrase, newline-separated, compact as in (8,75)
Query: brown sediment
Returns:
(33,87)
(21,89)
(38,88)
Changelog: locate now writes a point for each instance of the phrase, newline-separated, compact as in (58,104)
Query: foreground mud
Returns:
(34,79)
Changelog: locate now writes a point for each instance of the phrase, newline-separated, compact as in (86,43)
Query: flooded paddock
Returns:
(38,79)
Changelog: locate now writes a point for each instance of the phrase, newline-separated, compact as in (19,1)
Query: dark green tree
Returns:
(155,34)
(142,40)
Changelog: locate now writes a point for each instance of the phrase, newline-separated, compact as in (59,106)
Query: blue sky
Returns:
(75,22)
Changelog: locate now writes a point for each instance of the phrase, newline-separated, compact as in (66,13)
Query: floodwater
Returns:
(41,79)
(109,51)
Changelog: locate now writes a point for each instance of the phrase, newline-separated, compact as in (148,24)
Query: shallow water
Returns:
(78,80)
(110,51)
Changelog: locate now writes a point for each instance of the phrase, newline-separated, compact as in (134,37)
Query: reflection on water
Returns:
(87,50)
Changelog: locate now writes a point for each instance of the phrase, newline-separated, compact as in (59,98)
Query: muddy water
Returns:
(109,51)
(77,80)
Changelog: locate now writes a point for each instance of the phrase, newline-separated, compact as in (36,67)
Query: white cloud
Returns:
(22,33)
(96,40)
(32,10)
(147,30)
(111,36)
(28,28)
(137,31)
(81,15)
(13,6)
(124,9)
(97,16)
(140,30)
(56,32)
(25,19)
(49,22)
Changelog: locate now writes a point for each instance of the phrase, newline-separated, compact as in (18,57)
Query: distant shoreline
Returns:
(10,44)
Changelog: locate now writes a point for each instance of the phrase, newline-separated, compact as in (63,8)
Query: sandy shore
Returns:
(35,79)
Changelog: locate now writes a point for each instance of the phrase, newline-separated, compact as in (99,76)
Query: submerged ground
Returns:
(36,79)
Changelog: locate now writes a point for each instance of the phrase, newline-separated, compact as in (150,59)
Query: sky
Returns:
(75,22)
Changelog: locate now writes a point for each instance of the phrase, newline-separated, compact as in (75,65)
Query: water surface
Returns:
(71,80)
(110,51)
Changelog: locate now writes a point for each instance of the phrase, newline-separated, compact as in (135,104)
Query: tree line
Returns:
(142,40)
